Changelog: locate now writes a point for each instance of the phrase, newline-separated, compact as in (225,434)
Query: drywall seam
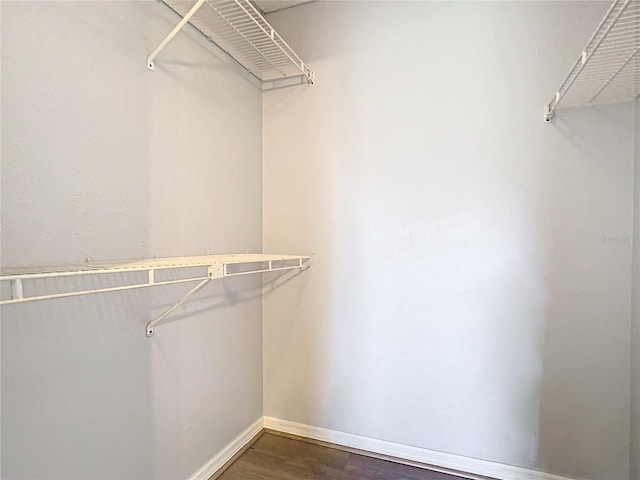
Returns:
(440,461)
(223,456)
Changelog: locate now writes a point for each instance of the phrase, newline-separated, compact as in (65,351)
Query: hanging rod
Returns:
(217,266)
(239,28)
(608,68)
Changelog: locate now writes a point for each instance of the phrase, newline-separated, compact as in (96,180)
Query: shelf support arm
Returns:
(172,309)
(168,38)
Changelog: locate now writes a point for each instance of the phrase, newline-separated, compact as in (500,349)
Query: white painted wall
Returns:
(102,158)
(466,295)
(635,328)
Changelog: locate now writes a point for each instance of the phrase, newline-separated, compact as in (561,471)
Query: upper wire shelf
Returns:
(239,28)
(608,69)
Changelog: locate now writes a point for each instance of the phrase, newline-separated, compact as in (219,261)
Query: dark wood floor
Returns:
(274,457)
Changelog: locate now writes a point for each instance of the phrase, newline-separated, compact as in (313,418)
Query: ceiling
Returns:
(269,6)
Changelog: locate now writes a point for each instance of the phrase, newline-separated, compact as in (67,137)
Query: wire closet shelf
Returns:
(26,284)
(239,28)
(608,69)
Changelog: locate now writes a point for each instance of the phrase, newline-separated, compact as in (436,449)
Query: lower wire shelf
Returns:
(20,284)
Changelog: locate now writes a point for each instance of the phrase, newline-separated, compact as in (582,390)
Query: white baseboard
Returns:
(444,462)
(223,456)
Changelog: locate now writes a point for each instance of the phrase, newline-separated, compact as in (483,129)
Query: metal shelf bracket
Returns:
(216,270)
(548,109)
(173,308)
(151,60)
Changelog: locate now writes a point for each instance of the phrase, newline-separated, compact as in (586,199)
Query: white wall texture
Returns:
(469,292)
(102,158)
(635,328)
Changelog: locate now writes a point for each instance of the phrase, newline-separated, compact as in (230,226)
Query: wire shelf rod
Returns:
(24,272)
(217,267)
(289,51)
(584,62)
(239,29)
(615,74)
(53,296)
(247,39)
(606,71)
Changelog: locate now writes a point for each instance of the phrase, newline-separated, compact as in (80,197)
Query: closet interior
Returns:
(343,221)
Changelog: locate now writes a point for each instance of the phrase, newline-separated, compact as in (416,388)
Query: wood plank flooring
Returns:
(273,457)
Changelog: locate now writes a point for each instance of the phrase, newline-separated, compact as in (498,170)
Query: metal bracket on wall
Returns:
(170,310)
(151,60)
